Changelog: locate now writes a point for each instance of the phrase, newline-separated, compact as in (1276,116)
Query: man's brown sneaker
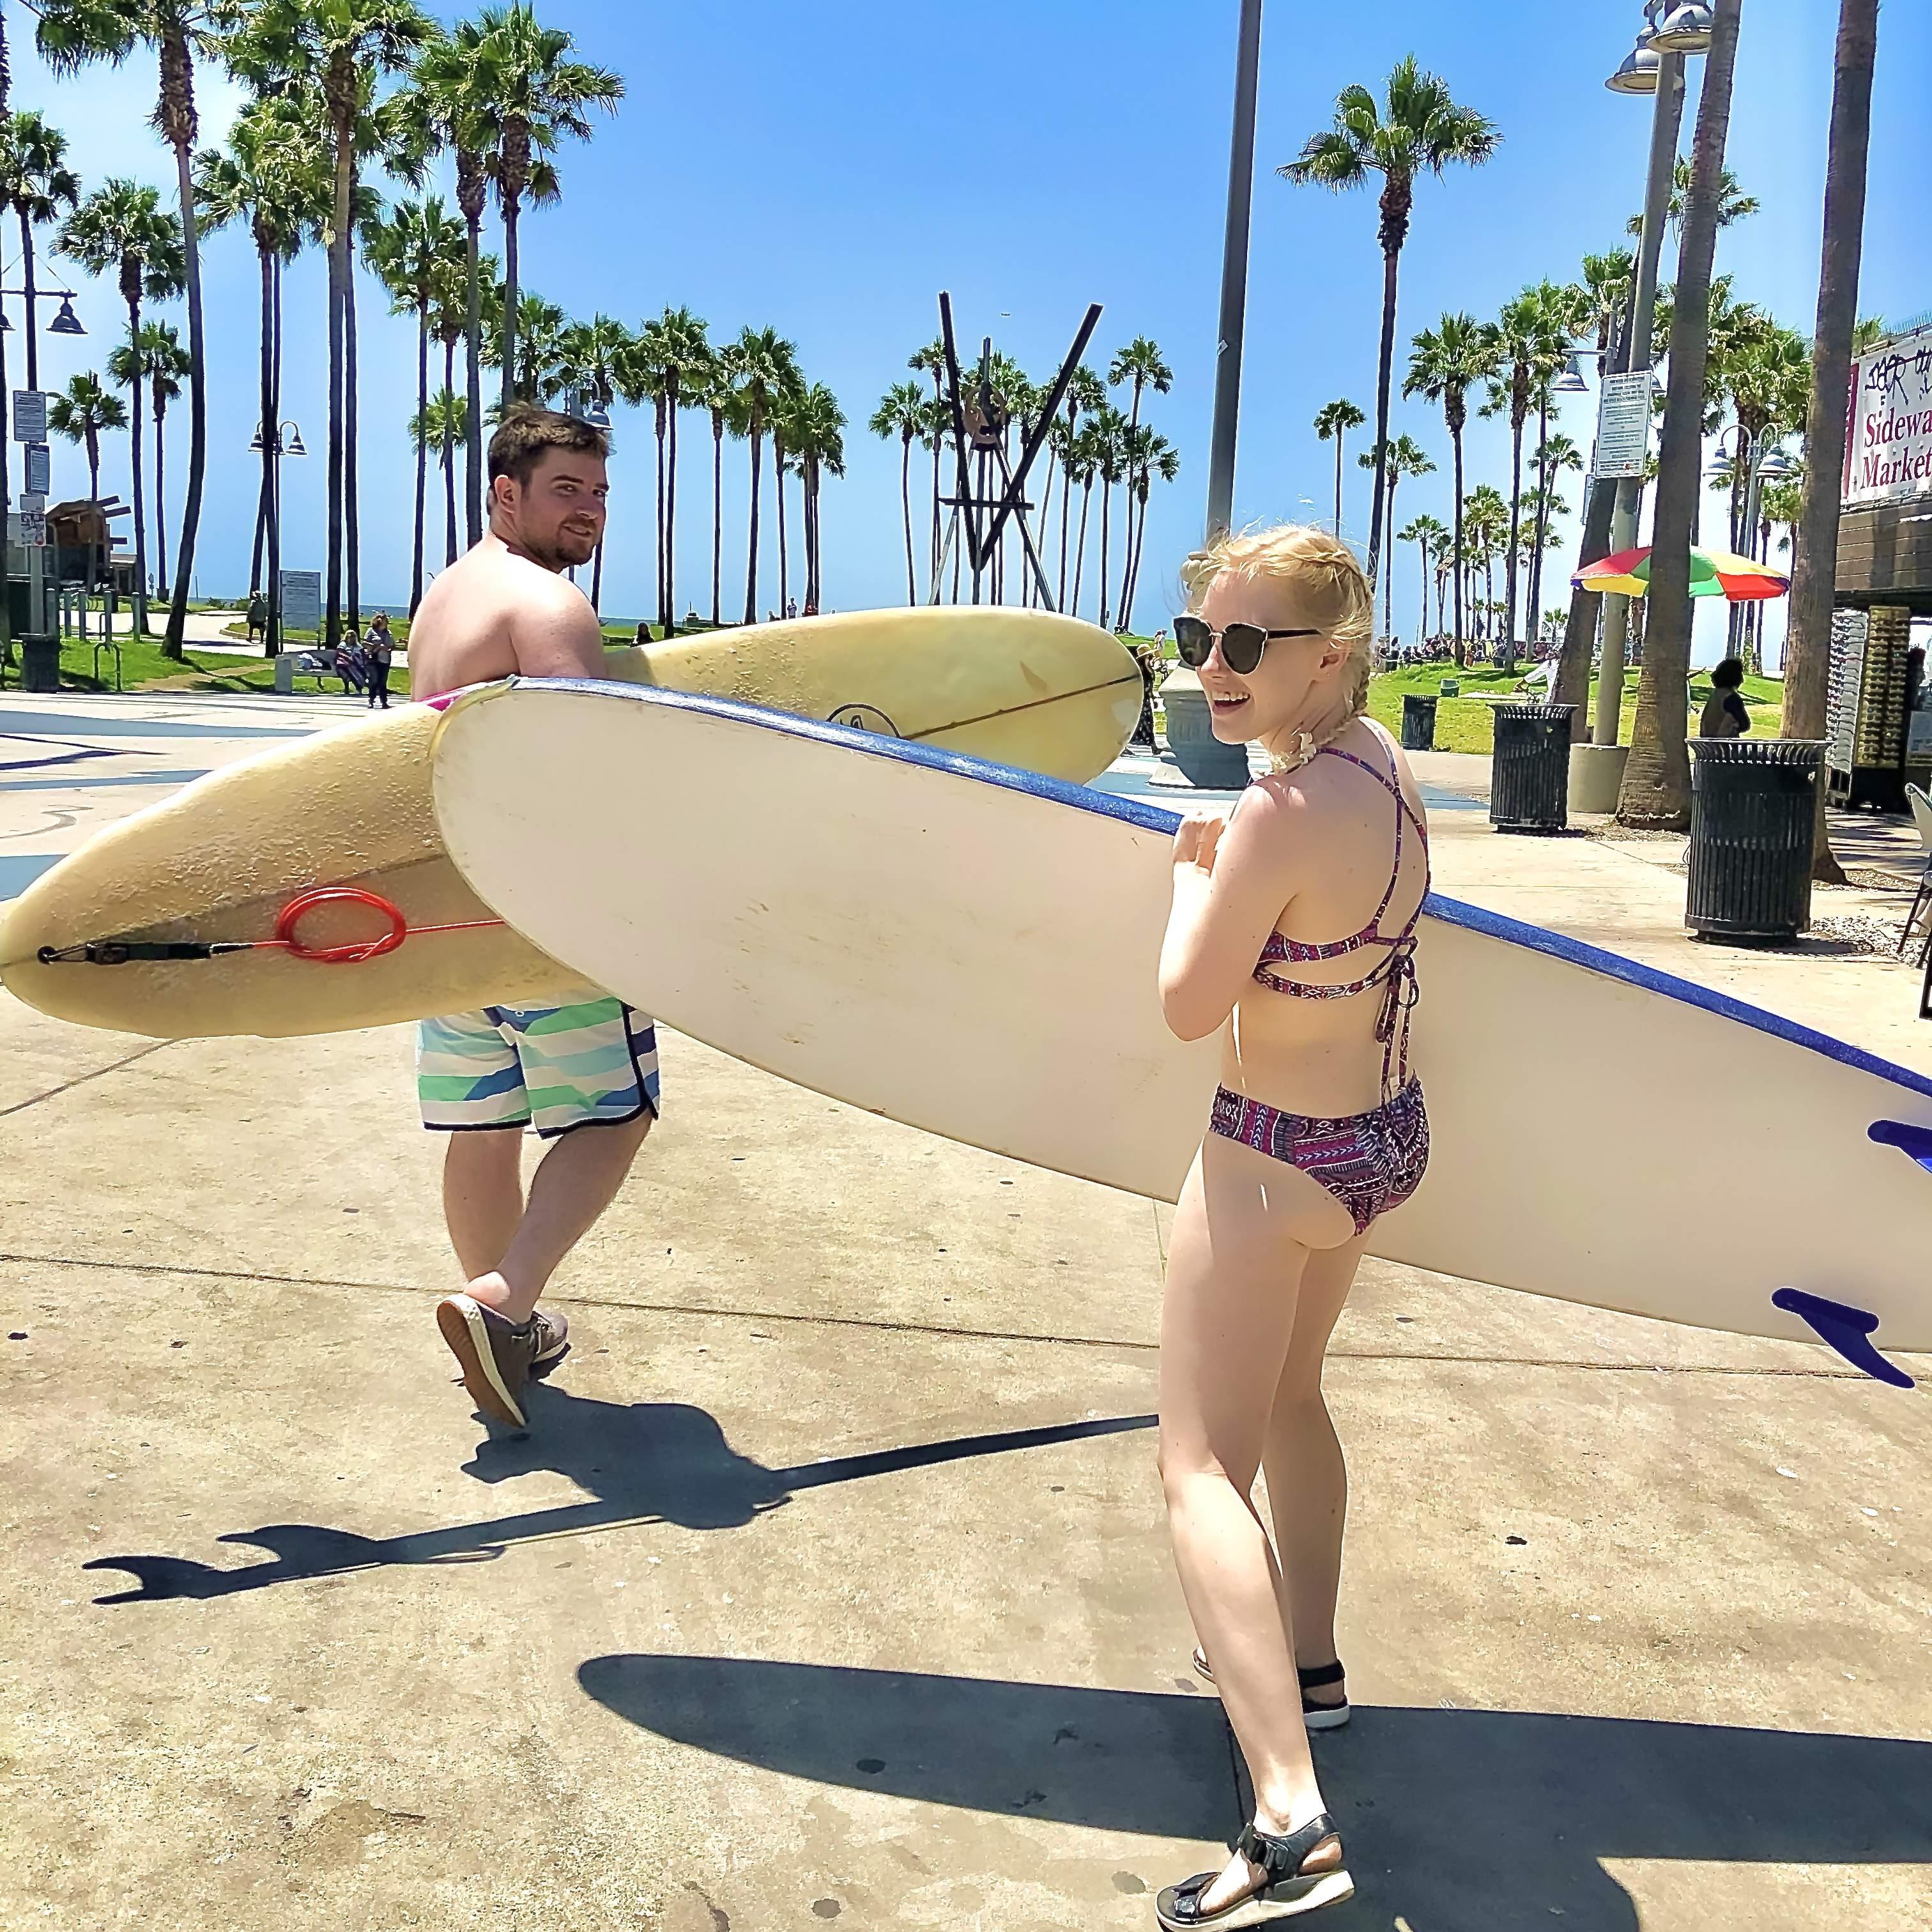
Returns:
(497,1356)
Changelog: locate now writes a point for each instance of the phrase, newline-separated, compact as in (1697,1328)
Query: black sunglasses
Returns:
(1241,644)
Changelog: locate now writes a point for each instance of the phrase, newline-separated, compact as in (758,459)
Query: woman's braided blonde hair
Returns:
(1330,590)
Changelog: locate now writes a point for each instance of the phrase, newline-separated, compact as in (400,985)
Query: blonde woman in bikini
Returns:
(1297,916)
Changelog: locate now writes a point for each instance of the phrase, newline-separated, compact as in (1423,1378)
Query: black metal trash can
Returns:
(40,663)
(1529,775)
(1418,722)
(1754,804)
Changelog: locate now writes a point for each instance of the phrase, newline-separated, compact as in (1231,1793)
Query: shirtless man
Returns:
(483,1077)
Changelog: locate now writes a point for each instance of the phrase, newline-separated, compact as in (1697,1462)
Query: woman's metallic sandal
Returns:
(1286,1892)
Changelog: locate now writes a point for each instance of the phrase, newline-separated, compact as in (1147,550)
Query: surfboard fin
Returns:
(1915,1142)
(1846,1329)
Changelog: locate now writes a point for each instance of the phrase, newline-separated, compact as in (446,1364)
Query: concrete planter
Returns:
(1202,757)
(1596,776)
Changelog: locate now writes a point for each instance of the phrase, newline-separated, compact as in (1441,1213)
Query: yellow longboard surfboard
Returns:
(219,860)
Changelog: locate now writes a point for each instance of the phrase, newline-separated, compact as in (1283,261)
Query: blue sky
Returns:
(826,169)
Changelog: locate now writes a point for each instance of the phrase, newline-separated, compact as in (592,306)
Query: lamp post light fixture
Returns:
(283,439)
(1684,29)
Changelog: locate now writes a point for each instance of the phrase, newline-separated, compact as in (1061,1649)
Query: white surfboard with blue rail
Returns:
(971,949)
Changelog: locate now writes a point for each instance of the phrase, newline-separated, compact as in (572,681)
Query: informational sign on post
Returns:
(1623,424)
(1888,451)
(33,503)
(30,416)
(28,530)
(40,468)
(301,600)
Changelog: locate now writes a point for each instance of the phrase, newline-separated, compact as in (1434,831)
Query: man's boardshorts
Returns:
(594,1063)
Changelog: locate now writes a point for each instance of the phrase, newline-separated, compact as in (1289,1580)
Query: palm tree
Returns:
(764,366)
(1657,779)
(36,183)
(1444,363)
(1606,292)
(1141,364)
(1404,457)
(71,33)
(1333,422)
(588,354)
(337,47)
(1867,333)
(158,357)
(1485,523)
(674,361)
(440,421)
(80,413)
(1426,533)
(930,361)
(531,96)
(1530,346)
(901,413)
(1556,454)
(411,249)
(1420,129)
(1156,456)
(538,326)
(272,177)
(715,391)
(1733,204)
(816,425)
(1807,642)
(1109,434)
(1086,394)
(1083,466)
(122,230)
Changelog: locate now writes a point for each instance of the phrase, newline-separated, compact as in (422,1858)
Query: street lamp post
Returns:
(1233,275)
(1655,66)
(271,631)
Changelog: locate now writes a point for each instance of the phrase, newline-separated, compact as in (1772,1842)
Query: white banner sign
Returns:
(1888,443)
(28,531)
(301,600)
(1623,424)
(30,416)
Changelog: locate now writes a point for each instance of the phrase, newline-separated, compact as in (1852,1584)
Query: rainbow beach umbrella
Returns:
(1714,573)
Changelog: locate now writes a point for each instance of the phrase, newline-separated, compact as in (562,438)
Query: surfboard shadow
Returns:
(643,1463)
(1453,1817)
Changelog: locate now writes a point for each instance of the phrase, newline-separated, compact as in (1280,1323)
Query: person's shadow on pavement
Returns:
(1452,1820)
(639,1463)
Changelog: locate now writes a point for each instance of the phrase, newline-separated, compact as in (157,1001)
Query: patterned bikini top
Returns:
(1396,972)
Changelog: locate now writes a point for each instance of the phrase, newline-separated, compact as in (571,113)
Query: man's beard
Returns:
(566,550)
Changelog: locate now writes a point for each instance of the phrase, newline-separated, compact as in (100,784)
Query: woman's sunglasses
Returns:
(1241,644)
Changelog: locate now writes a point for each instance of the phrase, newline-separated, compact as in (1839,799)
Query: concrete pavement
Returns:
(830,1584)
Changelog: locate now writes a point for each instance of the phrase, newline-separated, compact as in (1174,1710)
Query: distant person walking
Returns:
(258,617)
(379,648)
(1725,715)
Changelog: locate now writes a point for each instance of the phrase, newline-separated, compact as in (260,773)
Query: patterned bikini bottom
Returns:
(1370,1161)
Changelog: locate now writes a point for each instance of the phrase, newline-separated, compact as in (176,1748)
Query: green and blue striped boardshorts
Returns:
(592,1062)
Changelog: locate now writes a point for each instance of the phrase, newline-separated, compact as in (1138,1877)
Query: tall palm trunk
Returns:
(338,313)
(1080,548)
(1137,511)
(1656,780)
(160,495)
(422,450)
(1544,484)
(1397,197)
(1338,479)
(27,290)
(94,465)
(1457,554)
(271,639)
(717,513)
(448,451)
(671,515)
(1106,507)
(1388,578)
(1814,542)
(905,503)
(662,523)
(513,175)
(751,552)
(352,494)
(1422,609)
(471,185)
(597,578)
(131,288)
(1519,413)
(181,127)
(778,484)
